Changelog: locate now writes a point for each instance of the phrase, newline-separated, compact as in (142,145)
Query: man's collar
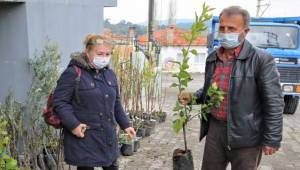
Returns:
(243,54)
(235,53)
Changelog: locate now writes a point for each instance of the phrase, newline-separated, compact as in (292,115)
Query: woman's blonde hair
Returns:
(91,40)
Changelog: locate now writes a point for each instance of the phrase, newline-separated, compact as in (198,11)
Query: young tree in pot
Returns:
(137,144)
(182,159)
(138,125)
(127,147)
(161,97)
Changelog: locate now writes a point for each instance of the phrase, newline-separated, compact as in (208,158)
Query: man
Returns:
(249,119)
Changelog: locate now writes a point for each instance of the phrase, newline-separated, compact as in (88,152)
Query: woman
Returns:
(91,109)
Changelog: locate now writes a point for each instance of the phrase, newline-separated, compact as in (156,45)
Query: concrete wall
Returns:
(64,23)
(13,50)
(24,28)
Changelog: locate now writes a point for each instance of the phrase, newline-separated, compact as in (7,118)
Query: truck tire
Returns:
(291,104)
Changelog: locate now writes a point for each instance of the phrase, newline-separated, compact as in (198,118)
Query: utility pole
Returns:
(258,8)
(152,49)
(262,8)
(172,12)
(151,21)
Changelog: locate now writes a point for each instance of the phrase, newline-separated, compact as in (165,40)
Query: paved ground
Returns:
(156,151)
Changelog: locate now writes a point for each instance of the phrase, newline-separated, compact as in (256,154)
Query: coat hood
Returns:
(79,59)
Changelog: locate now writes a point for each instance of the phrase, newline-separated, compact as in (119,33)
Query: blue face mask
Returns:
(229,40)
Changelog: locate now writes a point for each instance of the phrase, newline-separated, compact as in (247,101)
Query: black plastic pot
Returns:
(49,159)
(137,144)
(162,117)
(120,146)
(149,131)
(50,162)
(127,149)
(157,118)
(40,161)
(183,160)
(141,132)
(149,126)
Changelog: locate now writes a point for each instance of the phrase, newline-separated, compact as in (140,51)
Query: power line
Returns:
(262,7)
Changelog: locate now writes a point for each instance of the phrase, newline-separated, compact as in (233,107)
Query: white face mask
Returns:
(101,61)
(229,40)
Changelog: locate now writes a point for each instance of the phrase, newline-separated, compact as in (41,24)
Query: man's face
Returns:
(231,24)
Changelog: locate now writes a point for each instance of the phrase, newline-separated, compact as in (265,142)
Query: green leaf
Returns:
(184,66)
(5,140)
(11,164)
(204,8)
(185,60)
(184,82)
(177,107)
(216,97)
(175,62)
(181,113)
(184,75)
(2,164)
(184,52)
(5,157)
(174,85)
(194,29)
(2,132)
(194,52)
(178,124)
(194,98)
(187,37)
(189,108)
(175,75)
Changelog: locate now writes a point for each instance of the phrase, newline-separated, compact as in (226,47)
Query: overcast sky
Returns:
(136,11)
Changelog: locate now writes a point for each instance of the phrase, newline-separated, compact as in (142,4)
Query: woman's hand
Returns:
(79,130)
(131,132)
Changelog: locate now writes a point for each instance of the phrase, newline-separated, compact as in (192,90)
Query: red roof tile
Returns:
(163,35)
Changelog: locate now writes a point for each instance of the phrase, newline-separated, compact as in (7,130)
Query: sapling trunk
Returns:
(184,138)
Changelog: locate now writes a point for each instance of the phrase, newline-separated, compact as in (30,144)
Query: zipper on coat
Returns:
(228,106)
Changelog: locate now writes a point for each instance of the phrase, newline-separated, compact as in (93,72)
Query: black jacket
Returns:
(255,99)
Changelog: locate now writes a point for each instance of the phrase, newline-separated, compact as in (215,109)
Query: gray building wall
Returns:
(24,28)
(13,50)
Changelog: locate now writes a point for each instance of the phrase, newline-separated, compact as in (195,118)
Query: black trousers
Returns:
(217,155)
(114,166)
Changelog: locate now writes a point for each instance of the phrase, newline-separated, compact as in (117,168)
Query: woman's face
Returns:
(100,50)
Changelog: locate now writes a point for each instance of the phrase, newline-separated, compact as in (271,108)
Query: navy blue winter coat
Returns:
(100,108)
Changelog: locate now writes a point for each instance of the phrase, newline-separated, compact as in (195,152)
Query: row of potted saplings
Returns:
(144,124)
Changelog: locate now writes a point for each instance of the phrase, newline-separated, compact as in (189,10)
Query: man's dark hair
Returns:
(237,10)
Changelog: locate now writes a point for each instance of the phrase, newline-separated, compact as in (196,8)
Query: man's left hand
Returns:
(269,150)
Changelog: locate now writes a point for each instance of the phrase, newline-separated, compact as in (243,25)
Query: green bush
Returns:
(6,161)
